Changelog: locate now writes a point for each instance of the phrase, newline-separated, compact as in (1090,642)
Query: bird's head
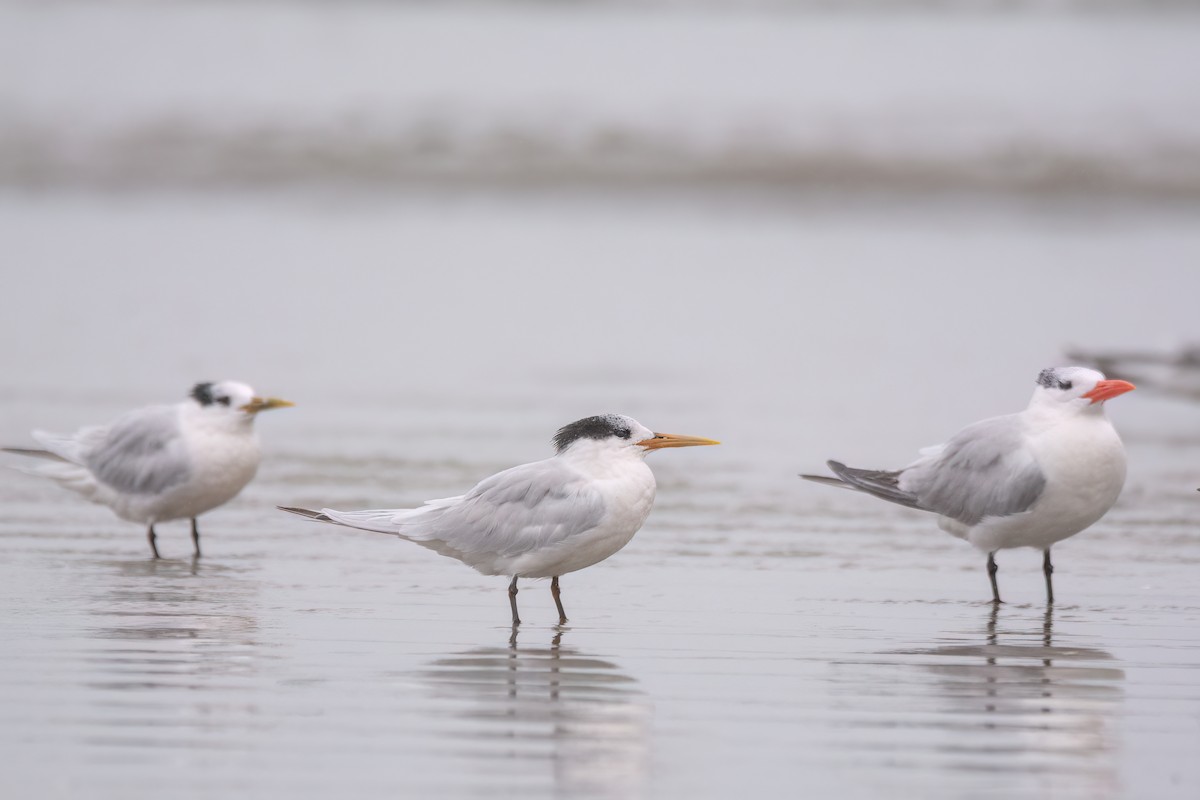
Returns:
(1076,388)
(234,399)
(618,432)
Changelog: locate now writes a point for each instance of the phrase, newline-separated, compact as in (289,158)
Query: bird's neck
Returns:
(229,424)
(1040,416)
(601,460)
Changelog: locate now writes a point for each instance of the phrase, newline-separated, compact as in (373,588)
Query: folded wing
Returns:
(986,470)
(143,452)
(510,513)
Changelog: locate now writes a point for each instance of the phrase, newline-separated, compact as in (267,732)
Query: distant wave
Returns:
(181,153)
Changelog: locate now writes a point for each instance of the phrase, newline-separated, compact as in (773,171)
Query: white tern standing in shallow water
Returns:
(161,463)
(539,520)
(1023,480)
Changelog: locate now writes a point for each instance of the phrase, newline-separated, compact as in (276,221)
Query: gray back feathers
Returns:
(143,452)
(513,512)
(986,470)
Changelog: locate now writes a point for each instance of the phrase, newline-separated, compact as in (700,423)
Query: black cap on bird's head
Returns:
(602,426)
(621,428)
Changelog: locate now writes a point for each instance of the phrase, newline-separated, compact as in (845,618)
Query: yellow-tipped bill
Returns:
(258,404)
(661,440)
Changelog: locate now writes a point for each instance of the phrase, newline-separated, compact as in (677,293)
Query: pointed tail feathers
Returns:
(72,447)
(62,471)
(883,484)
(828,481)
(24,451)
(381,521)
(307,513)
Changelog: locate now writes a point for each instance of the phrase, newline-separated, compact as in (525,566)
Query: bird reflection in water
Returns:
(175,625)
(1019,703)
(554,705)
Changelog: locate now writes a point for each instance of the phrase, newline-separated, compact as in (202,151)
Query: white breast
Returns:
(628,489)
(1084,464)
(223,461)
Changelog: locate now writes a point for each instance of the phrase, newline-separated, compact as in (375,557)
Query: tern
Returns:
(543,519)
(1022,480)
(162,462)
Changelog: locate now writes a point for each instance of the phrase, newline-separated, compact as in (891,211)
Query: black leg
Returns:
(512,601)
(196,537)
(554,590)
(151,537)
(1048,569)
(992,570)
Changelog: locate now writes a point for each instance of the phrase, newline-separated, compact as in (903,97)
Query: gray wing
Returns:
(143,452)
(515,511)
(986,470)
(510,513)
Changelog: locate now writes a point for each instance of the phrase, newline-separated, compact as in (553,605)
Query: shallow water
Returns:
(760,635)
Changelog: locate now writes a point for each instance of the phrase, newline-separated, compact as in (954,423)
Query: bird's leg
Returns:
(992,570)
(1048,569)
(554,590)
(150,535)
(195,537)
(512,600)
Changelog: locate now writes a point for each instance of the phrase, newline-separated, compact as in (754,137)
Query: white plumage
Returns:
(1023,480)
(539,520)
(163,462)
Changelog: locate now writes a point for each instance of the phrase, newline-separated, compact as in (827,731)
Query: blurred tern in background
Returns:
(1023,480)
(163,462)
(539,520)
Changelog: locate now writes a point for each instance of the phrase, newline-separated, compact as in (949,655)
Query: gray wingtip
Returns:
(307,513)
(836,466)
(827,480)
(27,451)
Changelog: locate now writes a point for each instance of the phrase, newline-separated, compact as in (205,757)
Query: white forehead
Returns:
(234,389)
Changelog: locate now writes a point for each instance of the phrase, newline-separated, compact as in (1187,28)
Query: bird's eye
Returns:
(223,401)
(1065,386)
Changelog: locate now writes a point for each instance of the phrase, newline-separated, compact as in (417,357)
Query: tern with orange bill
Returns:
(543,519)
(1023,480)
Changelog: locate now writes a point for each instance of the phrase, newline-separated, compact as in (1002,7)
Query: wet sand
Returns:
(851,654)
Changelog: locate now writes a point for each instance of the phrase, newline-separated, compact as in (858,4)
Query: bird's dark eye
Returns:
(1065,386)
(223,401)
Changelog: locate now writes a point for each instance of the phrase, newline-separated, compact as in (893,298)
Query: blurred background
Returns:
(808,228)
(786,203)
